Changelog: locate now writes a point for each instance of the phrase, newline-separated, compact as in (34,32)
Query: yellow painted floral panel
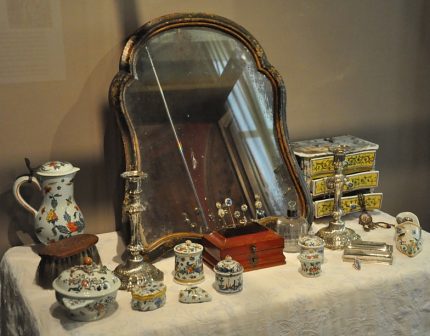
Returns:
(359,181)
(357,162)
(349,204)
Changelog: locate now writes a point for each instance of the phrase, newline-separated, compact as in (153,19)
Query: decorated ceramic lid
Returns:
(188,248)
(228,266)
(149,291)
(407,217)
(56,168)
(88,280)
(311,241)
(310,256)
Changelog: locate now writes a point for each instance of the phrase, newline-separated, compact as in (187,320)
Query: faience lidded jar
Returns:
(310,262)
(86,291)
(58,216)
(188,263)
(309,244)
(228,276)
(148,297)
(408,238)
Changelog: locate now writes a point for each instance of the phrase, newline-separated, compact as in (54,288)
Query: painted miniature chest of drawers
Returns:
(254,246)
(315,158)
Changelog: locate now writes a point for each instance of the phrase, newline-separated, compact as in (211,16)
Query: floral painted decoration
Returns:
(188,262)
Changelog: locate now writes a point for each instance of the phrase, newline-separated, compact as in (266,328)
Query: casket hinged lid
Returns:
(254,246)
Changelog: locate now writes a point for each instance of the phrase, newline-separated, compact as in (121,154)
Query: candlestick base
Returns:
(137,272)
(336,236)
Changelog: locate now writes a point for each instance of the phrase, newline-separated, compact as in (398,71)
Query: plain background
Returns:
(357,67)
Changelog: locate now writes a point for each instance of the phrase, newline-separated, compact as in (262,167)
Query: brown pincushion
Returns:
(63,254)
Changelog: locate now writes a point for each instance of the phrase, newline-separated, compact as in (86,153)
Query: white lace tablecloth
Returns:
(378,300)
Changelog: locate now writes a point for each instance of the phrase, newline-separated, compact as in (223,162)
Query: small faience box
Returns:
(228,276)
(86,291)
(408,238)
(312,244)
(188,263)
(310,264)
(194,294)
(149,297)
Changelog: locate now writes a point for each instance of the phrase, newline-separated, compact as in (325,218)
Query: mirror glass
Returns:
(203,120)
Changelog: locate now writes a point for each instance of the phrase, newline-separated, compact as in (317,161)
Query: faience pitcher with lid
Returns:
(58,216)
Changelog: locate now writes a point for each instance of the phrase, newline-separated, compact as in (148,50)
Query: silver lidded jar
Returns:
(228,276)
(292,228)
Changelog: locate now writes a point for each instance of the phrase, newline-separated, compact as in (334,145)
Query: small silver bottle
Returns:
(291,228)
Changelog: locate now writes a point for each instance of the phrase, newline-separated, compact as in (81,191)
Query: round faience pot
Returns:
(228,276)
(149,297)
(408,238)
(312,244)
(310,264)
(58,216)
(86,291)
(188,263)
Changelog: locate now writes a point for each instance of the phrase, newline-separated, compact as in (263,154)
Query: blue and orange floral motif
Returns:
(148,297)
(188,262)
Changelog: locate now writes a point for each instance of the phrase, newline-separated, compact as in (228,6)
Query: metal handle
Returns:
(16,187)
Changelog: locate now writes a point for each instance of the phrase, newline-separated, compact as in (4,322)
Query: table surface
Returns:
(378,300)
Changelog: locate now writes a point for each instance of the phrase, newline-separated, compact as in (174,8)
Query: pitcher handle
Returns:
(17,185)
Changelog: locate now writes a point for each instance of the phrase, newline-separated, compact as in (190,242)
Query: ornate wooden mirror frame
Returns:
(170,100)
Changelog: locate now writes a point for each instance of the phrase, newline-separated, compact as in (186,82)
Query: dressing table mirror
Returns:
(203,113)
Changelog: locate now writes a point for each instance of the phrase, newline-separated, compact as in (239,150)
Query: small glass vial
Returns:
(292,228)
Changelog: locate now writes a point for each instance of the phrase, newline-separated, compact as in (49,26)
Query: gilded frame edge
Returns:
(124,77)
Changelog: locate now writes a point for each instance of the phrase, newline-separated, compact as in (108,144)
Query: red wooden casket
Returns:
(253,245)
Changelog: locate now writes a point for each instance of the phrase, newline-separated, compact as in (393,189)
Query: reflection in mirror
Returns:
(202,119)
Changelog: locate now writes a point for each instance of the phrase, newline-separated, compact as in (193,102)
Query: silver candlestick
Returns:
(135,271)
(336,235)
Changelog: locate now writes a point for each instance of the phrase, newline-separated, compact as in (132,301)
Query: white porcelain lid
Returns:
(320,147)
(311,241)
(86,281)
(188,248)
(228,266)
(56,168)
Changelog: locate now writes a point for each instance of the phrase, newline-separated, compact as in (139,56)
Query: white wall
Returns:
(356,67)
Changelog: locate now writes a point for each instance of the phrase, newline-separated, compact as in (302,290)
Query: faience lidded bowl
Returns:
(86,291)
(148,297)
(188,263)
(228,276)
